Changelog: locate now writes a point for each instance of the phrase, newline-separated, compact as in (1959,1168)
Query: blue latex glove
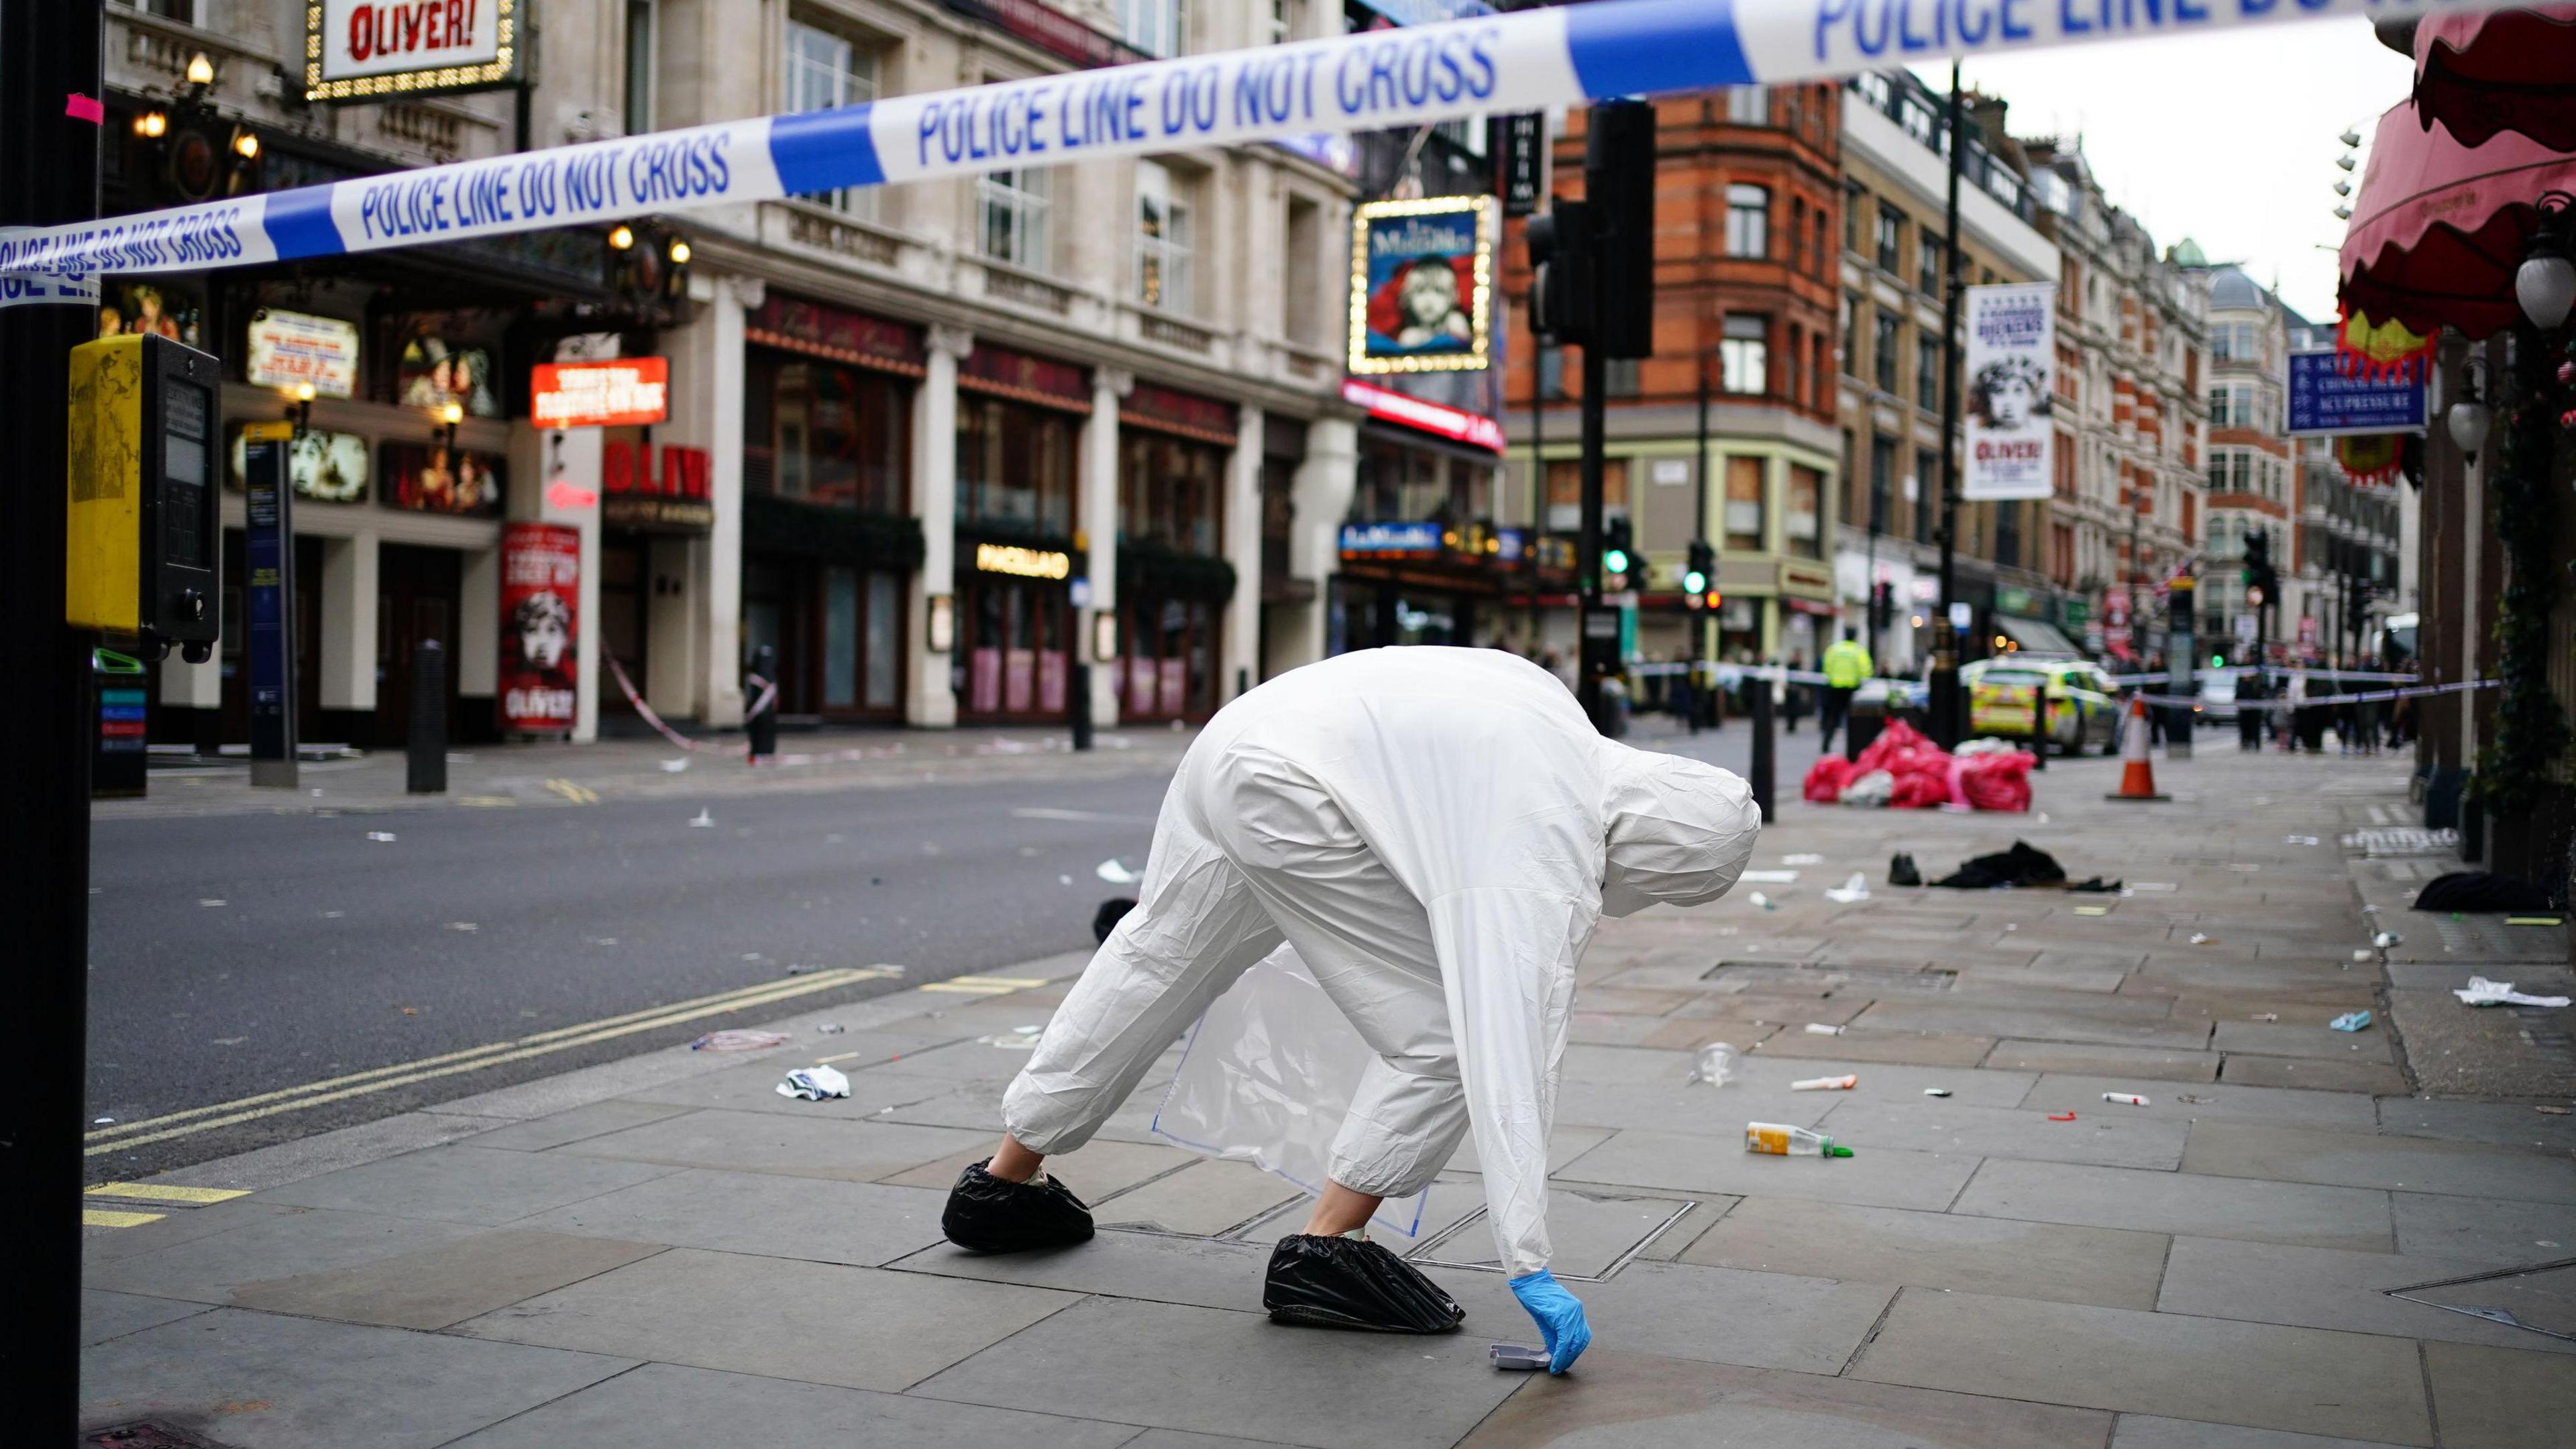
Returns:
(1559,1315)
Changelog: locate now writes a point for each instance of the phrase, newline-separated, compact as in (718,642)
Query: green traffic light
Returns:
(1615,561)
(1694,582)
(2218,661)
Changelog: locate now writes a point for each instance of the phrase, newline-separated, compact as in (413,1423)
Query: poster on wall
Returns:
(1422,276)
(285,349)
(437,368)
(540,637)
(435,478)
(331,467)
(147,309)
(2012,339)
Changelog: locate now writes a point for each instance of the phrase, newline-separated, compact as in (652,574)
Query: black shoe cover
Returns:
(987,1214)
(1347,1283)
(1902,872)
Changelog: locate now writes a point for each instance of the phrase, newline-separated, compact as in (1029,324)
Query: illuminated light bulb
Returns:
(679,252)
(151,124)
(201,71)
(622,238)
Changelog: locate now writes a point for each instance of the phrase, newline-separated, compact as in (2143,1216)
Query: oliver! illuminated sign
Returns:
(366,50)
(1030,563)
(624,392)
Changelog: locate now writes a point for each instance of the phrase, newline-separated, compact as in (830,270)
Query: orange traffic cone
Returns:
(2137,772)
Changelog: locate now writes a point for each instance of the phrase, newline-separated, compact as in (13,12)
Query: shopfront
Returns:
(1421,559)
(1019,426)
(1173,579)
(829,543)
(653,504)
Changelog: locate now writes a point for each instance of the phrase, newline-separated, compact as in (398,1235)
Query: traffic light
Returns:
(1560,253)
(2262,580)
(1882,607)
(1702,568)
(1615,548)
(1619,197)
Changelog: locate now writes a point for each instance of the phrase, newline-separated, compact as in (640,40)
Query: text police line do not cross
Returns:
(1529,60)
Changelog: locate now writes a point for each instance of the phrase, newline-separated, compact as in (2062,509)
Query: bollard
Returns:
(1080,696)
(425,754)
(1760,770)
(2039,726)
(761,727)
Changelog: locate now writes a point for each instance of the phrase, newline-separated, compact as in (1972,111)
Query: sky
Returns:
(2227,138)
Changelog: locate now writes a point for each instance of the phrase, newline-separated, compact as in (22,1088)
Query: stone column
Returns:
(348,608)
(706,410)
(1099,529)
(1321,494)
(476,659)
(931,703)
(1241,656)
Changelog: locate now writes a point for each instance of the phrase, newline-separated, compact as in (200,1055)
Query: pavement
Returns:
(659,1250)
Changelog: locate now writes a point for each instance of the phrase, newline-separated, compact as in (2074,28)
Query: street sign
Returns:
(2245,628)
(2332,396)
(1519,144)
(268,552)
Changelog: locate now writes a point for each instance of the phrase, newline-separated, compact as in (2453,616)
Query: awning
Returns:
(2036,636)
(2438,227)
(2492,71)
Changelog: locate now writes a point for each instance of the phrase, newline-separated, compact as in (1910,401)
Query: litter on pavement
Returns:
(1113,872)
(815,1083)
(1802,860)
(673,767)
(2387,939)
(1842,1083)
(381,837)
(830,1028)
(2127,1099)
(2482,992)
(1516,1358)
(738,1041)
(1716,1065)
(2199,939)
(1936,1091)
(706,820)
(2268,1016)
(2350,1021)
(1818,1028)
(2023,865)
(1854,889)
(2061,1117)
(1769,877)
(1901,871)
(1763,901)
(1777,1139)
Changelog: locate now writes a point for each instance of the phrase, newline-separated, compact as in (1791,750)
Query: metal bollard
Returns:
(1080,694)
(2039,726)
(762,728)
(425,754)
(1760,770)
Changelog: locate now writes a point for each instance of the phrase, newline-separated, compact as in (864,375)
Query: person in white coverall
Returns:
(1437,832)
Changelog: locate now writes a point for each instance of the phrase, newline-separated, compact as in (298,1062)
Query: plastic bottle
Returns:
(1716,1065)
(1781,1140)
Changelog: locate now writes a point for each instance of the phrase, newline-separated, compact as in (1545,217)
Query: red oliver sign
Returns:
(540,594)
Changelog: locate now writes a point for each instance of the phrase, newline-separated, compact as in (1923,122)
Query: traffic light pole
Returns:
(49,77)
(1597,628)
(1944,711)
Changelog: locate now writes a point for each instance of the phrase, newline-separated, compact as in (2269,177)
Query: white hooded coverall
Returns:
(1437,832)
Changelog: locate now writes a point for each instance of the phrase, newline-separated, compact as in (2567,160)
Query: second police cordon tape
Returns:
(1531,60)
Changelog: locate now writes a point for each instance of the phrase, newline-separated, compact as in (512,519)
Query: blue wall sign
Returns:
(2332,397)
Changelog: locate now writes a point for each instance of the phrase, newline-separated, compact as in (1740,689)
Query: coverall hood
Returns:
(1679,831)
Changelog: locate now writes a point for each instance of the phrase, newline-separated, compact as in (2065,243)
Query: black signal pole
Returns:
(49,145)
(1945,653)
(1597,639)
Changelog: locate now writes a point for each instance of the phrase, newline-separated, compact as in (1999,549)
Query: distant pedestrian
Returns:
(2250,693)
(1685,701)
(1847,666)
(1793,707)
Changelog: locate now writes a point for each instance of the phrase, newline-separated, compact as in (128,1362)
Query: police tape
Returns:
(768,697)
(2375,696)
(1373,80)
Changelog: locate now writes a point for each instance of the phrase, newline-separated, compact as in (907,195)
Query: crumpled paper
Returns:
(2482,992)
(815,1083)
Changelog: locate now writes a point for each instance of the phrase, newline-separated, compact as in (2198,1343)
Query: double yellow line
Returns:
(123,1135)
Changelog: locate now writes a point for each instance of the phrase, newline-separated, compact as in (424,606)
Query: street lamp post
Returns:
(1945,654)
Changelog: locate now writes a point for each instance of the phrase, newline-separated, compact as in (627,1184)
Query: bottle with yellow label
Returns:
(1781,1140)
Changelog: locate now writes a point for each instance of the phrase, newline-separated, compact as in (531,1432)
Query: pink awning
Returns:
(2485,72)
(2438,227)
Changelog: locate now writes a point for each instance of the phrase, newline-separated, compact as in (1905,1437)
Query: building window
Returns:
(1882,482)
(1798,234)
(2008,535)
(1170,490)
(1927,486)
(1891,238)
(1930,254)
(1927,373)
(1744,488)
(1883,350)
(1748,221)
(822,433)
(1851,335)
(2233,342)
(1796,388)
(1816,372)
(1014,468)
(826,69)
(1805,520)
(1551,372)
(1156,27)
(1619,377)
(1824,254)
(1300,312)
(1014,205)
(639,67)
(1748,105)
(1744,354)
(1853,196)
(1163,238)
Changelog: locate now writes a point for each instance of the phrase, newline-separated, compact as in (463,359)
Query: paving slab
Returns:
(2108,1028)
(2118,1061)
(1684,1310)
(1564,1145)
(2106,1136)
(2011,991)
(1627,1400)
(2498,1398)
(2313,1074)
(1936,1250)
(1790,1011)
(786,1146)
(2146,1431)
(2503,1051)
(2326,1288)
(1625,1065)
(100,1246)
(2291,1153)
(1881,1177)
(863,1224)
(1690,1033)
(1931,1049)
(444,1284)
(1150,1267)
(2118,1358)
(670,1406)
(206,1269)
(2185,1102)
(266,1381)
(1452,1197)
(1603,1028)
(2286,1038)
(1203,1199)
(1590,1231)
(2042,971)
(861,1328)
(2441,1225)
(1632,1001)
(536,1134)
(1313,1387)
(979,1109)
(114,1315)
(463,1184)
(2180,1202)
(2504,1124)
(1176,1439)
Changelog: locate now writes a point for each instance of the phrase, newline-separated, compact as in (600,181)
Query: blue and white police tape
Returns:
(2374,696)
(1531,60)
